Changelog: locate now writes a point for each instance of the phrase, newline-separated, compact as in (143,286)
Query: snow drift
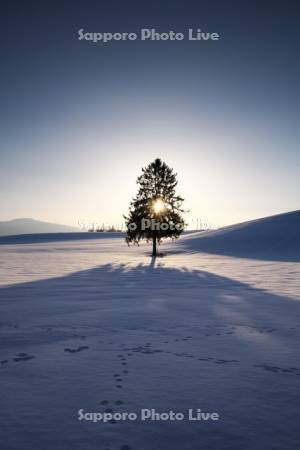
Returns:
(275,237)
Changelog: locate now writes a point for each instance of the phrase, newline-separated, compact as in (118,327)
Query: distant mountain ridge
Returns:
(31,226)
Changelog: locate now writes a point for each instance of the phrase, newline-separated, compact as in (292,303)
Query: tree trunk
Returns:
(154,246)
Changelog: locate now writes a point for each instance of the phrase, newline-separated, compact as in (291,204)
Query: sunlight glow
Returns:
(158,206)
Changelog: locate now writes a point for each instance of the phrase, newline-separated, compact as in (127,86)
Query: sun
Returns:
(158,206)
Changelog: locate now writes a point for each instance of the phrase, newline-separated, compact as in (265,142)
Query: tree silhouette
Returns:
(155,213)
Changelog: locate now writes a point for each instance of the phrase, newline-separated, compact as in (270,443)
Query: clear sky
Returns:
(79,120)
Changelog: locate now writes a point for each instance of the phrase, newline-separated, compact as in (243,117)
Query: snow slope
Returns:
(95,325)
(268,238)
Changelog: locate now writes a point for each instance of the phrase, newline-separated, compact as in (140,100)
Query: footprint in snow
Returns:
(76,350)
(293,370)
(23,357)
(225,361)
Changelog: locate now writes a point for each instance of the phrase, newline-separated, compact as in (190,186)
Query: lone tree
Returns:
(155,213)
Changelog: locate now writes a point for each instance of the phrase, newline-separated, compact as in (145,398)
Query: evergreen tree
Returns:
(155,213)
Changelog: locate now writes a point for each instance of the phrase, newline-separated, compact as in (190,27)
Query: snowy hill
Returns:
(29,226)
(274,237)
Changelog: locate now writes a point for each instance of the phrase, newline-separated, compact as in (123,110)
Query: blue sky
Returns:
(79,120)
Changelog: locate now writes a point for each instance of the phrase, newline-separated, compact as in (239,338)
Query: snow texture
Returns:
(93,324)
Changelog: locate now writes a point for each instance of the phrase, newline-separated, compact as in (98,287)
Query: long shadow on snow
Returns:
(144,294)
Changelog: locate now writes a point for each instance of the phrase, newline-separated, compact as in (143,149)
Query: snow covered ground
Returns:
(95,325)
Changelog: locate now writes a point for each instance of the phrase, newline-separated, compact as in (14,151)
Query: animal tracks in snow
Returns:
(76,350)
(166,345)
(19,357)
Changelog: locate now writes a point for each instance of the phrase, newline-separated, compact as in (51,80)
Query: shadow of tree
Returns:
(150,293)
(198,324)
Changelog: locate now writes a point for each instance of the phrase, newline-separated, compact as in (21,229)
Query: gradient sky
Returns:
(79,120)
